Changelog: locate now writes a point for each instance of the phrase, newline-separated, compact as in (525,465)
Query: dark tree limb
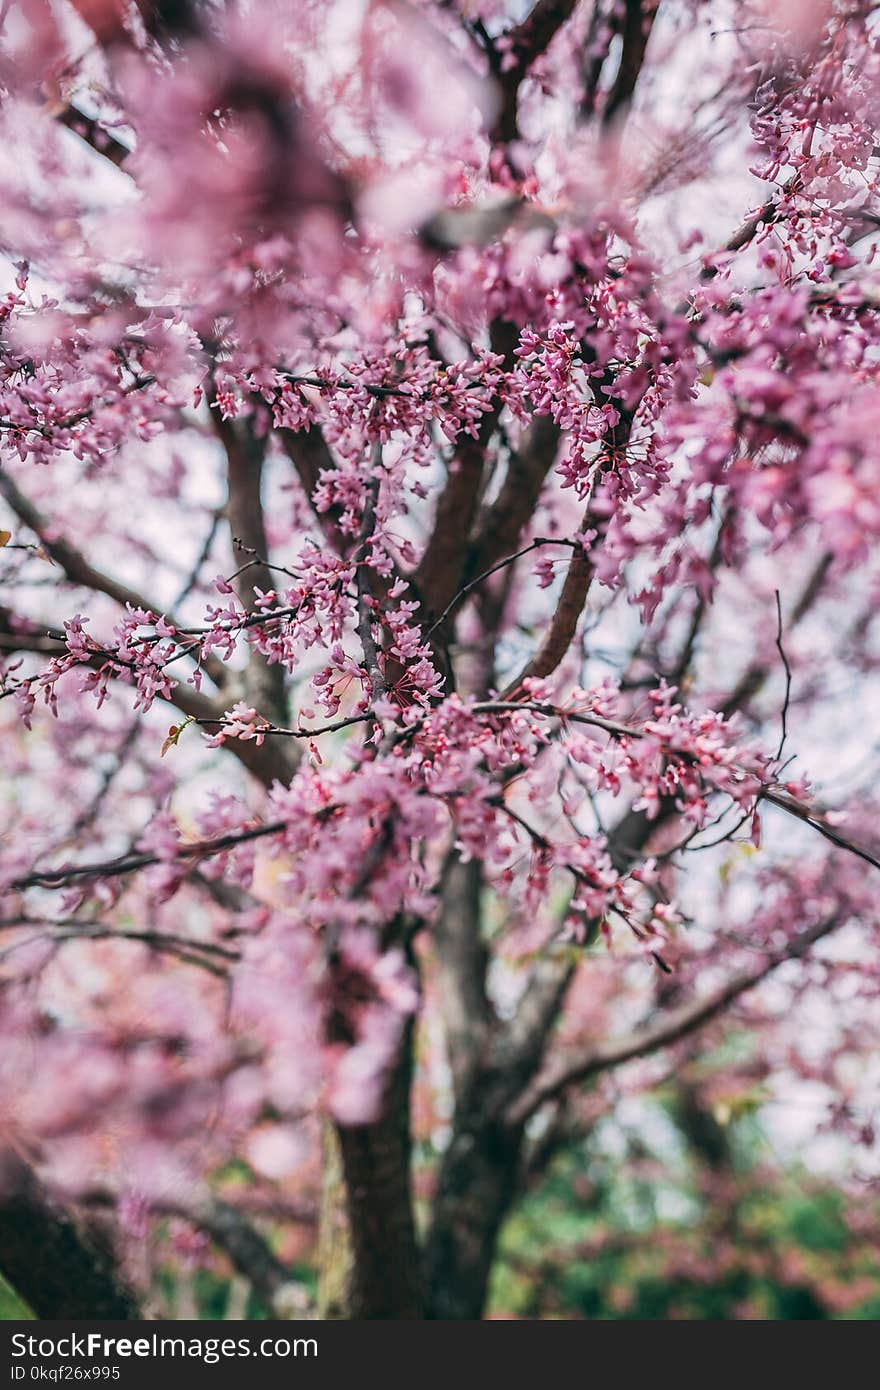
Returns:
(93,134)
(439,573)
(60,1269)
(366,617)
(578,581)
(385,1271)
(251,1255)
(310,455)
(563,625)
(461,968)
(528,41)
(500,526)
(638,22)
(131,863)
(368,1234)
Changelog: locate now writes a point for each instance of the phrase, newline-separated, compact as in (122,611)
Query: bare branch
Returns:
(815,820)
(757,675)
(787,700)
(93,134)
(204,955)
(653,1037)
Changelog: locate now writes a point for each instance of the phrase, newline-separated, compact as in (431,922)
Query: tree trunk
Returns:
(56,1267)
(477,1185)
(370,1260)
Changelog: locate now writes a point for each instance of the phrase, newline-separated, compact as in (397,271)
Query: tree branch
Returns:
(500,526)
(637,25)
(259,760)
(563,625)
(130,863)
(79,571)
(653,1037)
(245,455)
(439,573)
(756,676)
(364,588)
(579,578)
(310,455)
(93,134)
(528,41)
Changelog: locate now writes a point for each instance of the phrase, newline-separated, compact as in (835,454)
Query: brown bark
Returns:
(461,968)
(500,526)
(335,1256)
(481,1172)
(245,455)
(440,572)
(385,1272)
(476,1188)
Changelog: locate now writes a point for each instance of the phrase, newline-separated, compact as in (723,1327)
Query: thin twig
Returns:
(507,560)
(787,700)
(272,730)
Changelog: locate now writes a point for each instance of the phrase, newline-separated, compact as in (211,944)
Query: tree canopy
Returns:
(439,570)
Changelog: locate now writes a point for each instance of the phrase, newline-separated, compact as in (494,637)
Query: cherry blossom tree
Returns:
(440,504)
(678,1208)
